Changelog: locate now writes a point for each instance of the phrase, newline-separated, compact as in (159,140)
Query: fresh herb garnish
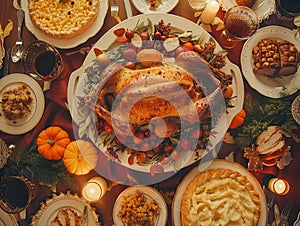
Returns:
(261,114)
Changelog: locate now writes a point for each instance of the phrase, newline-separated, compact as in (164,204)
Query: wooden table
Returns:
(105,206)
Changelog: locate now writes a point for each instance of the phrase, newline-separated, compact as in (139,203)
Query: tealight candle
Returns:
(278,186)
(94,189)
(210,12)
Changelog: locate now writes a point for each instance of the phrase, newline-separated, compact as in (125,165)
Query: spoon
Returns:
(18,49)
(297,24)
(36,76)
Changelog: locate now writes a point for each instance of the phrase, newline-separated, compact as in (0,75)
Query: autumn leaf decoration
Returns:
(255,162)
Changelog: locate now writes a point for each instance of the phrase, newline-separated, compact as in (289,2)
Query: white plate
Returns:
(270,87)
(49,209)
(77,78)
(296,109)
(67,43)
(30,121)
(150,193)
(216,164)
(263,8)
(297,221)
(165,7)
(7,219)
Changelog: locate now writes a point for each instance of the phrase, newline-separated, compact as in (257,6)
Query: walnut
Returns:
(266,64)
(291,59)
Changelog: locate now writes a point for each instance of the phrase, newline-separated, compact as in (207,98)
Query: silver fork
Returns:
(285,214)
(114,10)
(16,4)
(270,196)
(270,206)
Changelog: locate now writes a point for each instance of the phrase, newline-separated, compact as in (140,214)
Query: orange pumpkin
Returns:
(52,142)
(228,91)
(80,157)
(238,119)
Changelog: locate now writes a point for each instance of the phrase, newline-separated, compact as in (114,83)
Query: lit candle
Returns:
(197,4)
(278,186)
(94,189)
(209,12)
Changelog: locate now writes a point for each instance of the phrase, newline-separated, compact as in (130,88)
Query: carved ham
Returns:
(271,145)
(288,58)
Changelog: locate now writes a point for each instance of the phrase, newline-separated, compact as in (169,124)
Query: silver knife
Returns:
(277,215)
(270,205)
(6,62)
(84,219)
(128,8)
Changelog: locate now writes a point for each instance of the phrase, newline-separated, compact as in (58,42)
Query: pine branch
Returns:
(31,165)
(260,115)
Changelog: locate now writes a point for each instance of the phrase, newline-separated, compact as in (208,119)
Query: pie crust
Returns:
(220,197)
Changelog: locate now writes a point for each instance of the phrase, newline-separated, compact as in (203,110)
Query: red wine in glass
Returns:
(44,63)
(16,193)
(289,7)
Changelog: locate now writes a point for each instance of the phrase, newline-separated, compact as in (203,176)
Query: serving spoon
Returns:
(18,49)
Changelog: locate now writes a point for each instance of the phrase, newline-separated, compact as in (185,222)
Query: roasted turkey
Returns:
(188,88)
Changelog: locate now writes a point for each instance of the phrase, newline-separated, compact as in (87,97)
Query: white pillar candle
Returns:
(197,4)
(94,189)
(210,12)
(279,186)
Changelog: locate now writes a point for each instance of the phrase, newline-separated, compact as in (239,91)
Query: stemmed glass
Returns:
(16,193)
(240,22)
(287,9)
(42,61)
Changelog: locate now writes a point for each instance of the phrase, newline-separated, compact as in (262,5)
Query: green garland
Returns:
(260,115)
(33,166)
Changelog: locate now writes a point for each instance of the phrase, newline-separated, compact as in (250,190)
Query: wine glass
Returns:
(42,61)
(287,9)
(16,193)
(240,22)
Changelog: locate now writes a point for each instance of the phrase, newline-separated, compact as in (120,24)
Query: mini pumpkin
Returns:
(228,91)
(238,119)
(80,157)
(52,142)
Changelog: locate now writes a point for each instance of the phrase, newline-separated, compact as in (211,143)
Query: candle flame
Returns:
(279,186)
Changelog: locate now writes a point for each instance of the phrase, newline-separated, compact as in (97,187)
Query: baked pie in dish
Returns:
(63,18)
(220,197)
